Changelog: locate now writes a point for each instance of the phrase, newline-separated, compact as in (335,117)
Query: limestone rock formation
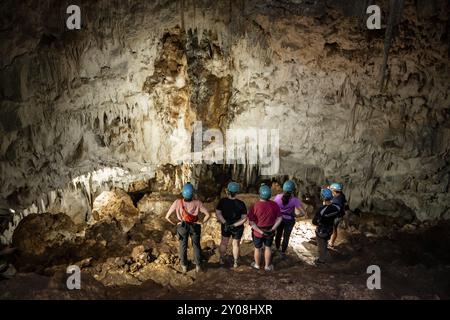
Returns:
(118,205)
(106,105)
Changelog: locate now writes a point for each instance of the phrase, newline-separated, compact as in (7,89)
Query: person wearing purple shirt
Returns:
(290,207)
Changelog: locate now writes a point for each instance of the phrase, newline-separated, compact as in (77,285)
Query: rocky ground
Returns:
(141,262)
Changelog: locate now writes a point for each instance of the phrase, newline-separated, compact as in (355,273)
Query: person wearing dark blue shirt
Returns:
(324,220)
(341,201)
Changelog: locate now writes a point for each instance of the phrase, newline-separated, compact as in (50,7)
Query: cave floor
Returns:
(413,266)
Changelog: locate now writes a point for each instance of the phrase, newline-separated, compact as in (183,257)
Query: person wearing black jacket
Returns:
(232,214)
(324,220)
(339,199)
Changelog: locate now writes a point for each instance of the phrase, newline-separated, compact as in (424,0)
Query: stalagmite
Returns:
(101,127)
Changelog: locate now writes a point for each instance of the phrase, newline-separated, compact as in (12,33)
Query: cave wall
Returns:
(124,91)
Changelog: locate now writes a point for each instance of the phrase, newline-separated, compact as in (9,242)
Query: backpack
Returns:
(190,218)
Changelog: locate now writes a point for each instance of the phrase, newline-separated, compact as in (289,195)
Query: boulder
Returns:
(116,204)
(41,238)
(38,232)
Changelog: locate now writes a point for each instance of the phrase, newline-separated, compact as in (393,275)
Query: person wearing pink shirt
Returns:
(187,212)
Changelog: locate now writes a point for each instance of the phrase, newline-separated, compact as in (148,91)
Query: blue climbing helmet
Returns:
(265,192)
(326,194)
(289,186)
(336,186)
(233,187)
(188,191)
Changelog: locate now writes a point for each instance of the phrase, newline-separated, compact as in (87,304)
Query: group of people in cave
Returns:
(271,220)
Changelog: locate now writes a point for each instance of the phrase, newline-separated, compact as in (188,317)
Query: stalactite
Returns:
(182,10)
(396,8)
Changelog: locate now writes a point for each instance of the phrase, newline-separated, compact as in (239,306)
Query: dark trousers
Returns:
(184,230)
(322,245)
(284,230)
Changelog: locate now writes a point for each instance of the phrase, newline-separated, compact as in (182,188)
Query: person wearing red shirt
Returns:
(264,217)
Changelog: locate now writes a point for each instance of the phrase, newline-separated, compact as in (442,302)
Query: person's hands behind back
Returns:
(268,233)
(229,227)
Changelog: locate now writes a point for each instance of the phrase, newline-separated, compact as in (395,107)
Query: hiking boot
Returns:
(221,261)
(319,262)
(183,269)
(255,266)
(269,268)
(283,255)
(235,264)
